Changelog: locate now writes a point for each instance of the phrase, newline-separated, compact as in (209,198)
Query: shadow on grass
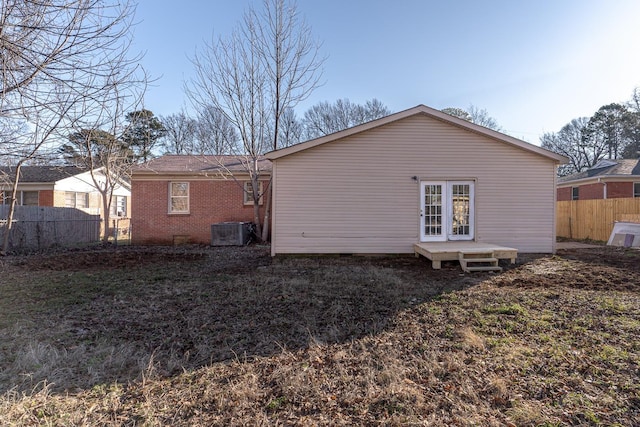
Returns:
(87,318)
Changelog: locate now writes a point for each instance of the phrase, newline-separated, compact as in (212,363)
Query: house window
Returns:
(248,192)
(178,197)
(74,199)
(24,198)
(29,198)
(575,193)
(118,206)
(636,189)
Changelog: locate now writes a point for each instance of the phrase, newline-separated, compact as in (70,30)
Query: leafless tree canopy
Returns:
(180,135)
(473,114)
(214,133)
(569,142)
(325,118)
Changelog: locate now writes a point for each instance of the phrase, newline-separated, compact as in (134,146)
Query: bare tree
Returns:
(266,66)
(104,153)
(291,129)
(214,133)
(481,117)
(570,142)
(57,57)
(180,133)
(457,112)
(325,118)
(632,126)
(474,115)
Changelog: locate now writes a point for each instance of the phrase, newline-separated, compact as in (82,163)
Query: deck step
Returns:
(482,268)
(489,259)
(470,260)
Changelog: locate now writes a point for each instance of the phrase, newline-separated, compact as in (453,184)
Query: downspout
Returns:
(604,190)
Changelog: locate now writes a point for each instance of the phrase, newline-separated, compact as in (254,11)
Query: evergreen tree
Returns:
(143,133)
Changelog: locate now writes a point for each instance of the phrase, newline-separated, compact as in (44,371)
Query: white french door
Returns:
(446,210)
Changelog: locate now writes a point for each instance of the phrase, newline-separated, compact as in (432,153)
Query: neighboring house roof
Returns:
(199,165)
(606,170)
(424,110)
(58,177)
(43,174)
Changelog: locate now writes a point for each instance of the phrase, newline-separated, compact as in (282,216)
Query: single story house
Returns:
(415,177)
(63,186)
(176,198)
(607,179)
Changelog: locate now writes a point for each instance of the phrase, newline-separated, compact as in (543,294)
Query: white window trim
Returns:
(636,189)
(113,209)
(85,198)
(576,188)
(170,197)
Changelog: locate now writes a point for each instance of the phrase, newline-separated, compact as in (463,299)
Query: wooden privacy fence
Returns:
(593,219)
(36,227)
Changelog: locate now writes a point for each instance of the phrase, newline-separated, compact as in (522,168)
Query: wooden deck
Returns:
(465,251)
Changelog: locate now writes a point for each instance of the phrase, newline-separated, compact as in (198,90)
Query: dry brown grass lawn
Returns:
(204,336)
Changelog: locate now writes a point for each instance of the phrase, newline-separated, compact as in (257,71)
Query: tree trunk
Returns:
(267,212)
(106,208)
(256,220)
(12,207)
(255,186)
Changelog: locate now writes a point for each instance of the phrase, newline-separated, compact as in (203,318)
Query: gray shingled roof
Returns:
(42,173)
(621,167)
(198,164)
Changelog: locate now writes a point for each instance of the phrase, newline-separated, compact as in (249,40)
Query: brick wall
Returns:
(563,194)
(615,190)
(210,202)
(45,198)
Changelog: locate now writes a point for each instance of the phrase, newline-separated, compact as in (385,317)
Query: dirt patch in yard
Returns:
(605,268)
(123,257)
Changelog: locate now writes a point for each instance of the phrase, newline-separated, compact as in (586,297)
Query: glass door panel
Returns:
(461,211)
(433,210)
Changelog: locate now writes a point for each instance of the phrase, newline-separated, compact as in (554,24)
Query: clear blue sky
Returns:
(533,65)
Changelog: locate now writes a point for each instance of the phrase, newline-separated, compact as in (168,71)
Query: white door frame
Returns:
(437,220)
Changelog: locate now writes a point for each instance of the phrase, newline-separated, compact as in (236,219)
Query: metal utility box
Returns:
(231,233)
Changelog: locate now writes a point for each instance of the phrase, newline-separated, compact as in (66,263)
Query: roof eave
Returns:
(600,179)
(192,173)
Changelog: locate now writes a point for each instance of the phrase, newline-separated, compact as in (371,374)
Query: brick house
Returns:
(63,186)
(608,179)
(176,198)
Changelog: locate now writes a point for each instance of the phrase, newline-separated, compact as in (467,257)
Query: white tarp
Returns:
(625,234)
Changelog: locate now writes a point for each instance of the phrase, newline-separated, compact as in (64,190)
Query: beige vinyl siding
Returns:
(357,195)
